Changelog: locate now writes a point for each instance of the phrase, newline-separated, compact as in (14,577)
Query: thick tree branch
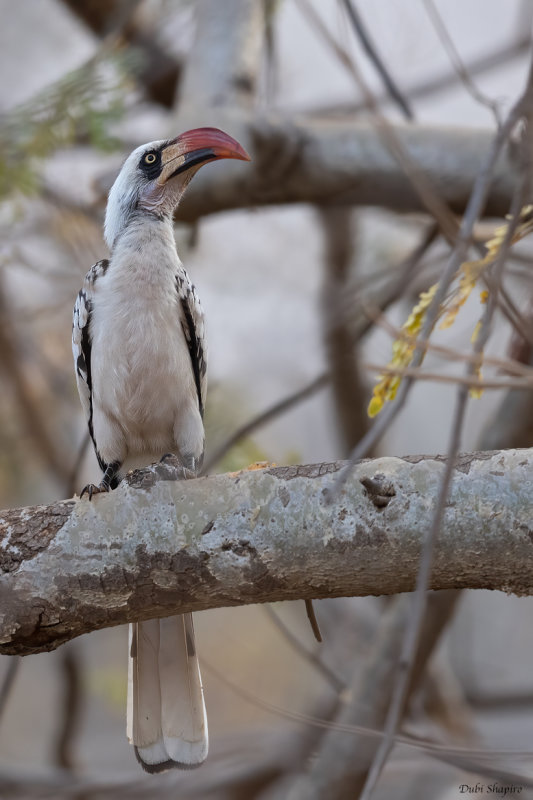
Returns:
(342,163)
(349,389)
(157,546)
(160,71)
(223,65)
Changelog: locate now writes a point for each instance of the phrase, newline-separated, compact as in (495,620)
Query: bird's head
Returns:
(154,177)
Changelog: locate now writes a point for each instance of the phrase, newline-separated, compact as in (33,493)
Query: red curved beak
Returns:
(220,144)
(195,148)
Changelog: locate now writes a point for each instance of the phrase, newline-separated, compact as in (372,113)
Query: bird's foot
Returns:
(91,489)
(187,466)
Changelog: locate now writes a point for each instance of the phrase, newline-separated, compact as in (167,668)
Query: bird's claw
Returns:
(92,488)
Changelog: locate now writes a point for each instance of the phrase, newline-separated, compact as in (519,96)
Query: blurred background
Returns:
(292,282)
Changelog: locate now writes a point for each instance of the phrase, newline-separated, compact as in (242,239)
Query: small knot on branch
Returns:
(379,490)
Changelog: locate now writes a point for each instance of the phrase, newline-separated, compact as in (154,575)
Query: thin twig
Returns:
(271,54)
(70,715)
(8,682)
(426,191)
(32,413)
(387,296)
(418,607)
(311,616)
(266,416)
(371,50)
(456,61)
(72,478)
(499,57)
(429,197)
(511,312)
(469,380)
(420,182)
(312,658)
(348,388)
(507,365)
(419,598)
(496,274)
(463,757)
(473,211)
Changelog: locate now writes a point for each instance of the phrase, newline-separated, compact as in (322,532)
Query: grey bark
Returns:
(158,70)
(350,393)
(222,68)
(341,766)
(157,546)
(340,163)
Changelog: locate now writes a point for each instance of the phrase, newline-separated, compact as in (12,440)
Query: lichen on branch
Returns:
(158,546)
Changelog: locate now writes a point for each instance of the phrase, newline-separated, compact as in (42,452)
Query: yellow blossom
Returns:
(476,331)
(467,277)
(402,353)
(476,391)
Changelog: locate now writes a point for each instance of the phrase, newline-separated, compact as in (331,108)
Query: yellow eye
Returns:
(150,158)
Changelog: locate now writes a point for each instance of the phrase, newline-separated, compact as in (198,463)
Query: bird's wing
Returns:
(192,323)
(81,340)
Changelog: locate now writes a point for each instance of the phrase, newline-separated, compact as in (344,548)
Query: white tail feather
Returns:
(167,721)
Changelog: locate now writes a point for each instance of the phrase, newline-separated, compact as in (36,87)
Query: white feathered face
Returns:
(154,177)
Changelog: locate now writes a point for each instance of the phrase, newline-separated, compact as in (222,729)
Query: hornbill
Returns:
(140,361)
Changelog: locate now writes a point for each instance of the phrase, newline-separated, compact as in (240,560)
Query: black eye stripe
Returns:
(151,168)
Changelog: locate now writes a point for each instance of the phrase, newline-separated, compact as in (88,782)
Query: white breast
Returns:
(142,376)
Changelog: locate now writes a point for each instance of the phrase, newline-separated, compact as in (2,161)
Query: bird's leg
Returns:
(108,482)
(191,466)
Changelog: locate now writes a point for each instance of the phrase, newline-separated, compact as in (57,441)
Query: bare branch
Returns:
(513,421)
(8,682)
(311,657)
(350,394)
(413,631)
(160,71)
(345,163)
(500,56)
(221,70)
(476,204)
(340,769)
(417,604)
(31,410)
(71,707)
(455,59)
(157,546)
(266,416)
(372,52)
(430,198)
(362,323)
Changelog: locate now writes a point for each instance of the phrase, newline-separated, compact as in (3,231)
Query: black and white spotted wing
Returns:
(192,323)
(81,344)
